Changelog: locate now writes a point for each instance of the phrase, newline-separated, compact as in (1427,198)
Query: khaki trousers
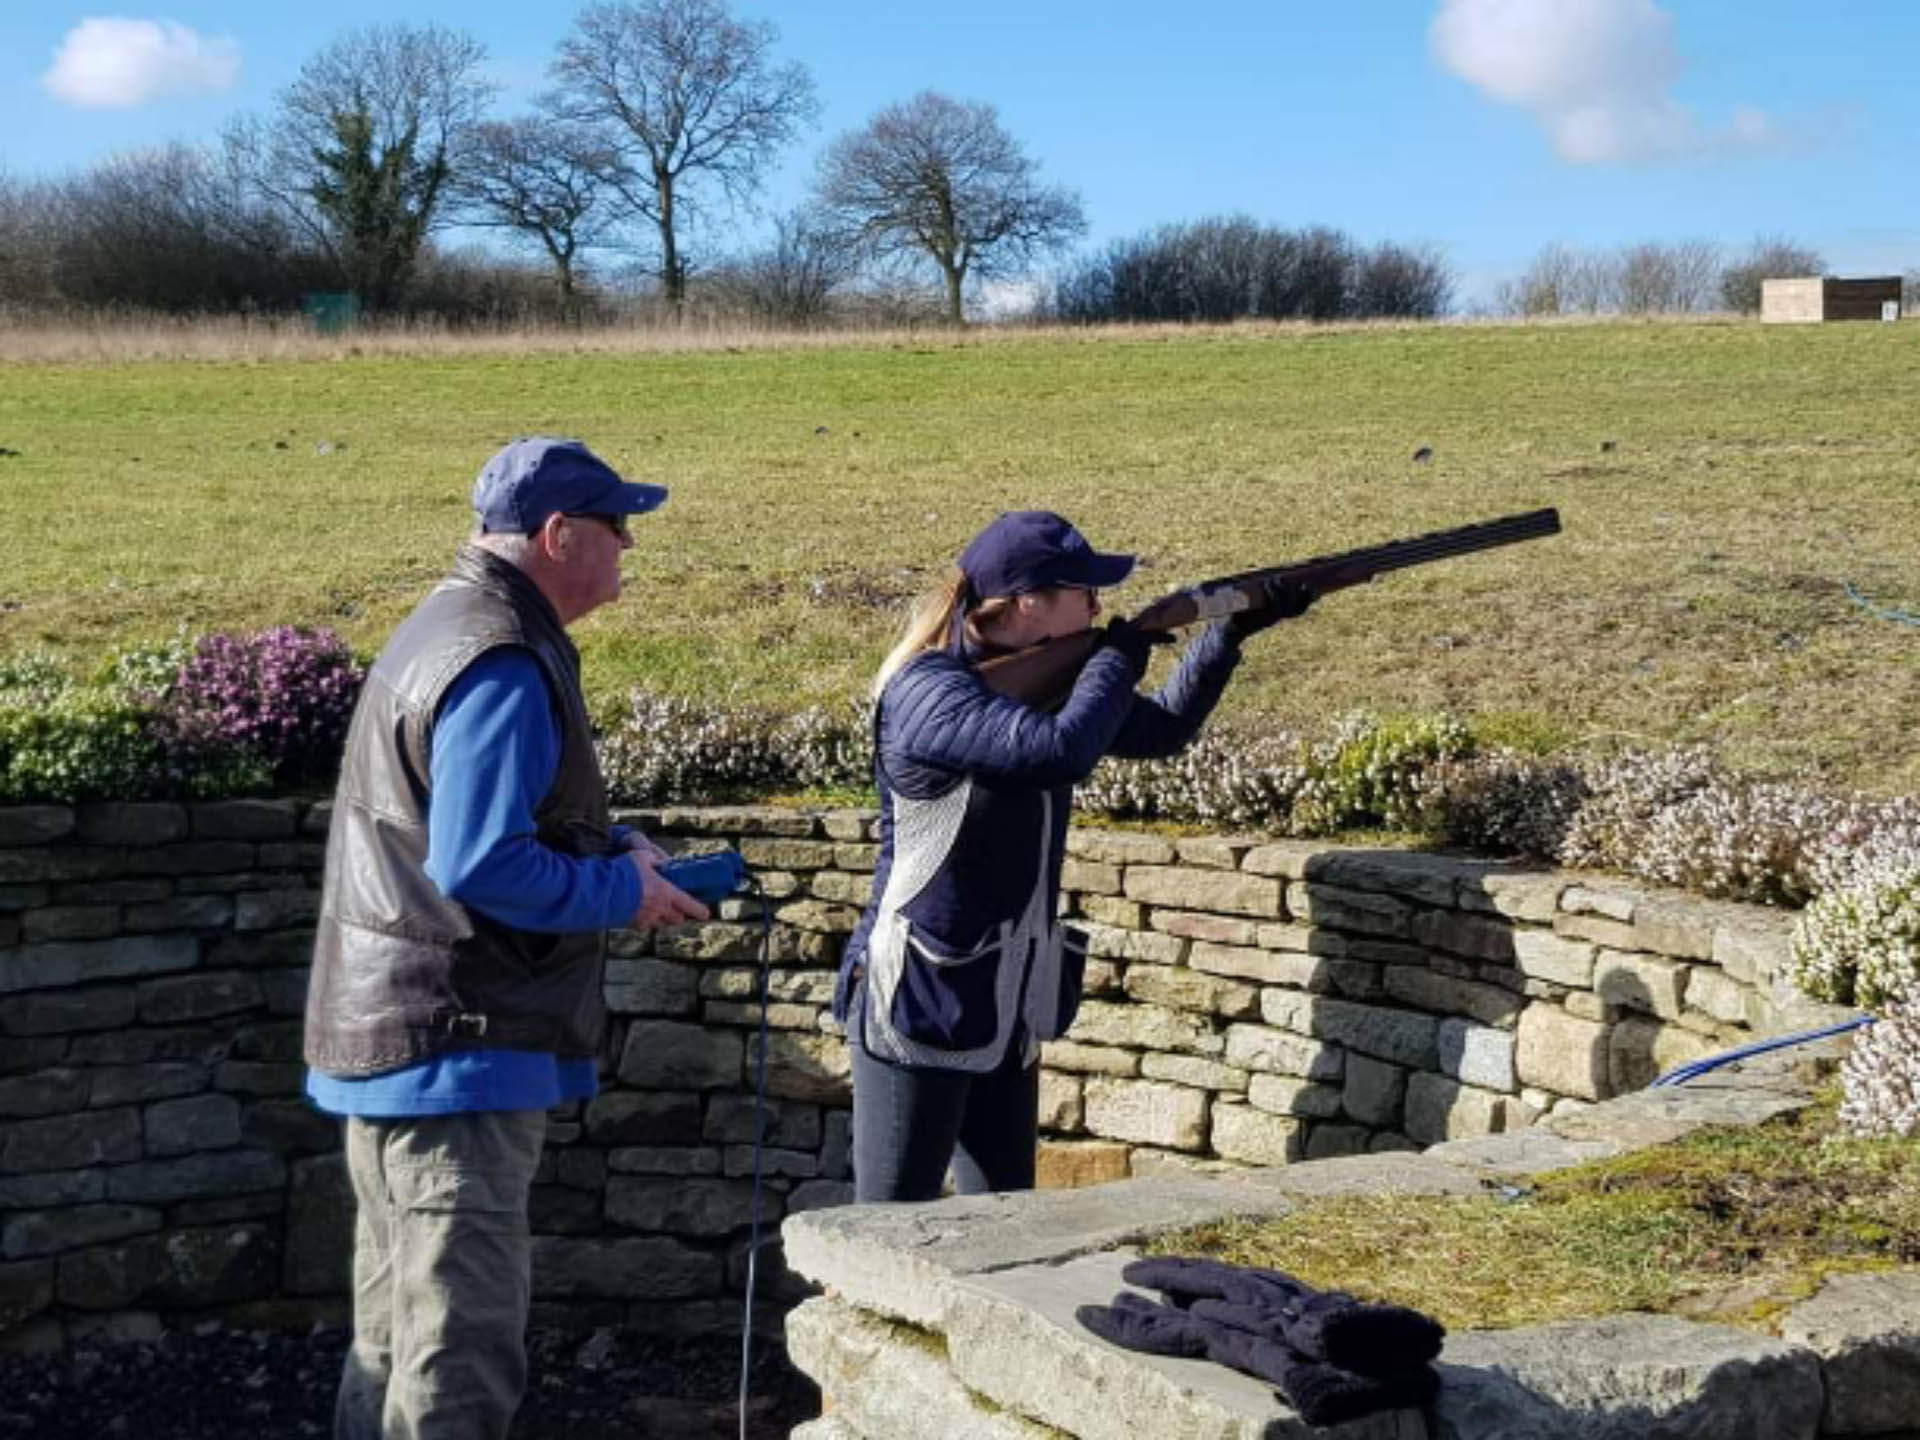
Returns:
(442,1277)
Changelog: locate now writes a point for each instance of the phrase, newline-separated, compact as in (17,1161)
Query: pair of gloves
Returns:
(1333,1358)
(1281,602)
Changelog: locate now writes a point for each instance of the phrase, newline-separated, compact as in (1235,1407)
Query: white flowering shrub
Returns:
(34,677)
(1224,777)
(1880,1077)
(1859,943)
(669,749)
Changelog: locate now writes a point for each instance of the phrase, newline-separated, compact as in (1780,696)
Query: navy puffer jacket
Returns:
(975,794)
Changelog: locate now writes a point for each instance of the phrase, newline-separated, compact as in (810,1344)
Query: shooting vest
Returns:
(932,1005)
(400,972)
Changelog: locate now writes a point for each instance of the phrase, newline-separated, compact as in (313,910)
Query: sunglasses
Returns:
(616,523)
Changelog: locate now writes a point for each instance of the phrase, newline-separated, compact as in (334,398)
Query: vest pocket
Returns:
(945,998)
(1061,978)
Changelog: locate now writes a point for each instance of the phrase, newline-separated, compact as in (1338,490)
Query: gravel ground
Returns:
(220,1384)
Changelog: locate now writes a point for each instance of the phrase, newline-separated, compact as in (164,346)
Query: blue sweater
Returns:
(496,748)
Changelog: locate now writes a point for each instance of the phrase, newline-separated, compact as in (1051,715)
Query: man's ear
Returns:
(552,536)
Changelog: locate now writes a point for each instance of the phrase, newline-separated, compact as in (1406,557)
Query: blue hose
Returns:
(1693,1069)
(1881,612)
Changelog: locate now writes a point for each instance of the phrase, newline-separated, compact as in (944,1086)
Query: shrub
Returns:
(1369,774)
(147,671)
(666,748)
(274,703)
(1503,803)
(1880,1077)
(35,677)
(1223,777)
(1859,943)
(80,746)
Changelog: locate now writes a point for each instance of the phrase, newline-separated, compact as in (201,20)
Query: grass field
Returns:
(1721,485)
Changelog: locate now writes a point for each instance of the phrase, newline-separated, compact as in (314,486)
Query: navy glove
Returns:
(1325,1325)
(1322,1394)
(1135,644)
(1282,601)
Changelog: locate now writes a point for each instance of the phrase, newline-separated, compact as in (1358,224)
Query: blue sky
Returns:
(1486,127)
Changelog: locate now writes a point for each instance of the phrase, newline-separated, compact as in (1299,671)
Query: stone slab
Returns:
(1524,1152)
(1013,1338)
(885,1382)
(1387,1173)
(1866,1331)
(1627,1378)
(899,1260)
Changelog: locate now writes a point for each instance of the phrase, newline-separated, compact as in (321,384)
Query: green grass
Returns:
(1698,594)
(1727,1224)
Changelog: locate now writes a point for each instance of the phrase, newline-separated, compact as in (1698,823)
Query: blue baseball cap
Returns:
(1026,550)
(538,475)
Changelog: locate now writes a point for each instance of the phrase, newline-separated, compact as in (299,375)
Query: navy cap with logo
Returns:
(539,475)
(1026,550)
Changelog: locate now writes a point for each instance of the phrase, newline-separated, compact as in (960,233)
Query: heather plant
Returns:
(1880,1078)
(79,745)
(1369,773)
(1740,839)
(1859,942)
(1626,792)
(34,677)
(667,748)
(1501,802)
(1224,777)
(272,704)
(146,671)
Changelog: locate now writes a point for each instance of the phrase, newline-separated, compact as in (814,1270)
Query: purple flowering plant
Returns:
(271,706)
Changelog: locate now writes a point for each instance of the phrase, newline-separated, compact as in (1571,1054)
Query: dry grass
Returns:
(110,337)
(1720,484)
(1727,1225)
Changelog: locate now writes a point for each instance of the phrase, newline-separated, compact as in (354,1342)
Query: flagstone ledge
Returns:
(975,1297)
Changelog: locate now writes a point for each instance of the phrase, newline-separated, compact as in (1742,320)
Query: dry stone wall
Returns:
(1248,1003)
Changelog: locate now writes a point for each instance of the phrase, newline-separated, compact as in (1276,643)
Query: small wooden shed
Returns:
(1813,299)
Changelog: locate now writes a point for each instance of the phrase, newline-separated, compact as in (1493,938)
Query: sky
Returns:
(1486,128)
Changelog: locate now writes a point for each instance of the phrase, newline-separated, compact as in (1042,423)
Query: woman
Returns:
(959,969)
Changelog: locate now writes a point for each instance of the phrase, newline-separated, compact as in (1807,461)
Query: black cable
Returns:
(759,1145)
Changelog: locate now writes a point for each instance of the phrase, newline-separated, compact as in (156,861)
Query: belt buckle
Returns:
(474,1026)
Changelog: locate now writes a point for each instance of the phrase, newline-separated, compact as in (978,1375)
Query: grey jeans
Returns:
(442,1277)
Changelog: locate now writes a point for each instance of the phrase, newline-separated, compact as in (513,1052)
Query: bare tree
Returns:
(1770,257)
(1393,280)
(28,231)
(546,181)
(940,178)
(1592,283)
(792,280)
(1545,287)
(363,145)
(681,92)
(1667,279)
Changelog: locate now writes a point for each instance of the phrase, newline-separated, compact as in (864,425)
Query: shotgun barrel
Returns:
(1043,674)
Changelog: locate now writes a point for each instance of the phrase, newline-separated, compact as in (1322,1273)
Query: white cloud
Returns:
(111,63)
(1597,74)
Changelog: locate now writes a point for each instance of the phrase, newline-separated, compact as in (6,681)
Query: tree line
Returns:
(1235,268)
(1654,279)
(661,116)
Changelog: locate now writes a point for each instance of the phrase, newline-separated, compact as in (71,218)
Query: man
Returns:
(456,988)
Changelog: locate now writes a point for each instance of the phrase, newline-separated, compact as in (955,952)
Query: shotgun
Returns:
(1043,674)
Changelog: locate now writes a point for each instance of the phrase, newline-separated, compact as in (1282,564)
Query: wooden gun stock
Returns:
(1043,674)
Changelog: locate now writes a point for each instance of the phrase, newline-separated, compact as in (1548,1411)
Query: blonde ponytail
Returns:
(932,625)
